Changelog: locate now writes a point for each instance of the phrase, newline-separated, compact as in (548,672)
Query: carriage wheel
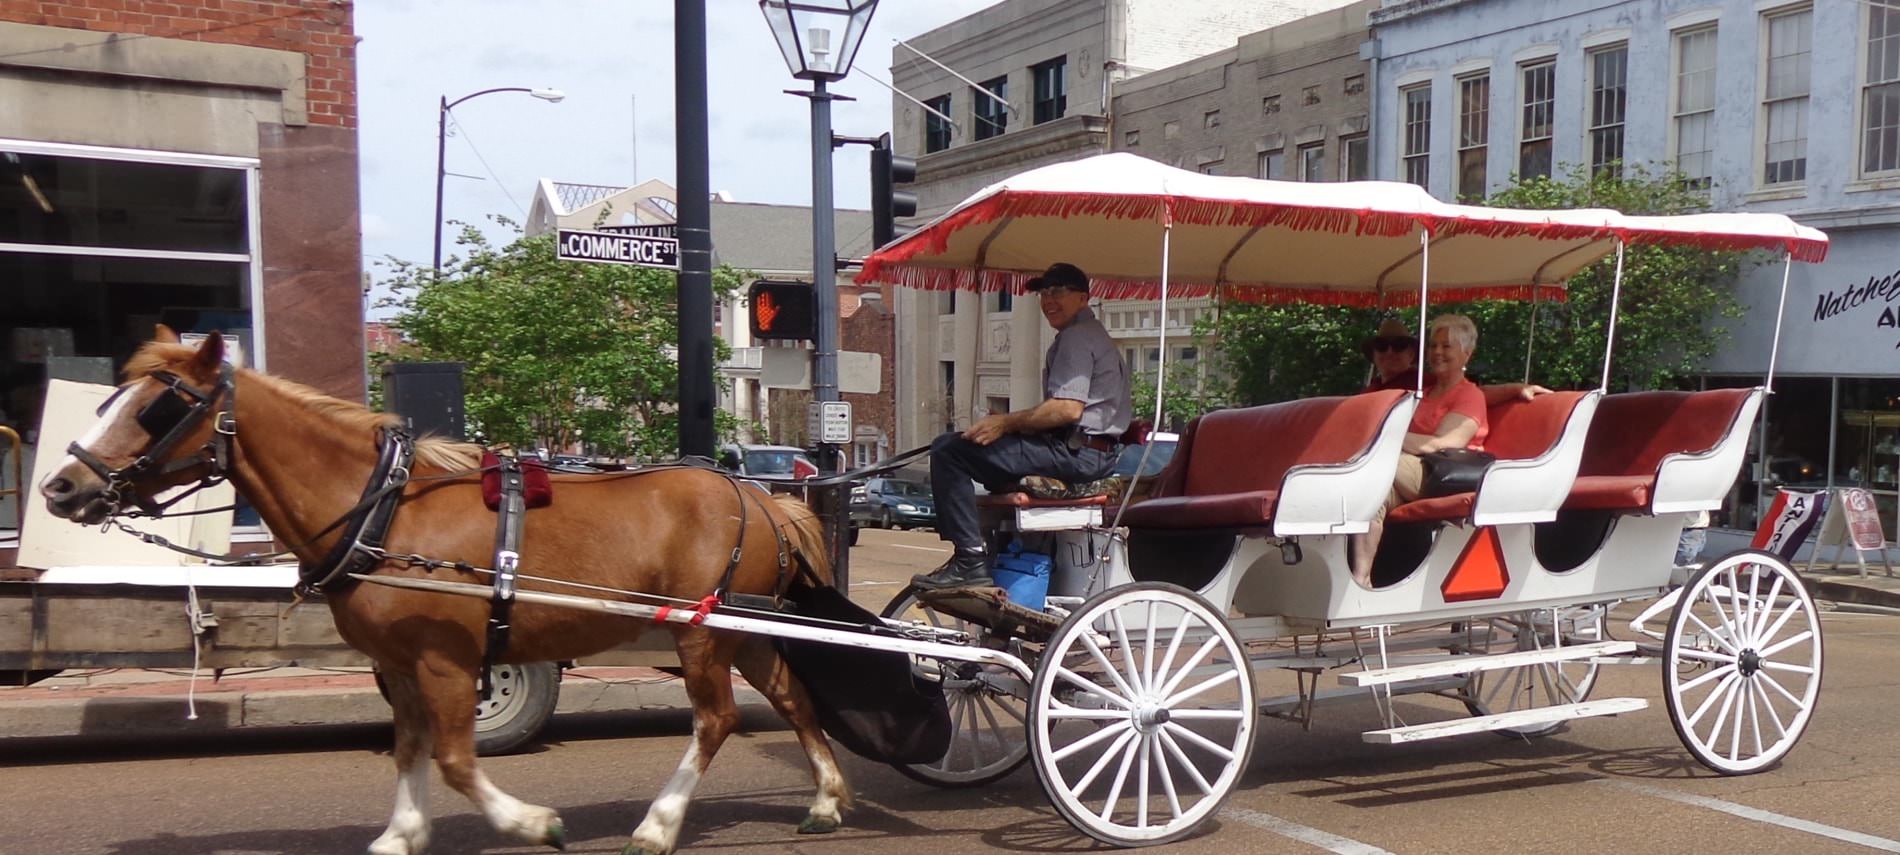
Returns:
(987,739)
(1545,684)
(1141,714)
(1742,662)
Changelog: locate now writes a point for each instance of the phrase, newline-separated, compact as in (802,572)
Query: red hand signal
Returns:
(764,309)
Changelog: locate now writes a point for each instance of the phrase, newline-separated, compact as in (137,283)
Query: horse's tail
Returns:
(808,536)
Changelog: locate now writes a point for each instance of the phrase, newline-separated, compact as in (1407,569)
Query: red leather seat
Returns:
(1520,430)
(1632,434)
(1228,468)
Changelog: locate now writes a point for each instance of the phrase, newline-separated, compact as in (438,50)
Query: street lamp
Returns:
(819,39)
(552,96)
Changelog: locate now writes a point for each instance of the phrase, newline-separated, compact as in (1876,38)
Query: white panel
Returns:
(1699,482)
(1525,491)
(1342,498)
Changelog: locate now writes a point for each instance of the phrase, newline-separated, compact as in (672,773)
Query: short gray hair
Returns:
(1463,331)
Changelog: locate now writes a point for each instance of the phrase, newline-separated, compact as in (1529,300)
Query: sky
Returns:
(614,61)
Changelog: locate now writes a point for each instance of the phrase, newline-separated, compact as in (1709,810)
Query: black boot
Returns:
(965,570)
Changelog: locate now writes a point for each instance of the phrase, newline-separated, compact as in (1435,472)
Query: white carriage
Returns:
(1135,698)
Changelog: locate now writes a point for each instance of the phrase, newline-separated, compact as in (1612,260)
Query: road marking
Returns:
(1305,834)
(922,548)
(1870,841)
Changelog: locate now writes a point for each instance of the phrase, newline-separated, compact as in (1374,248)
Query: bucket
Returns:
(1025,576)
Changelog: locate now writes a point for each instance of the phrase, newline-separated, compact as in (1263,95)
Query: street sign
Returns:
(659,230)
(829,421)
(605,248)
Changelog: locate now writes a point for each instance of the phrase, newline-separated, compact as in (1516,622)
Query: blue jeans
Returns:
(955,462)
(1689,546)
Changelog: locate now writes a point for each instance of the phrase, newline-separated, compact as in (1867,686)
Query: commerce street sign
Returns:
(604,248)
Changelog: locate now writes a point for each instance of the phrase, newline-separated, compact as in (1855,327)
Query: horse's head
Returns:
(168,424)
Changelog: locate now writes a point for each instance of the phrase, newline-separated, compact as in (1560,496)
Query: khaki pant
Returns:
(1406,484)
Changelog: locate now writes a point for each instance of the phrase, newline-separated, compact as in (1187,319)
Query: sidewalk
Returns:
(121,703)
(124,703)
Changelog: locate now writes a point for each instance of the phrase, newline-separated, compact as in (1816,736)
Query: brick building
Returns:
(190,162)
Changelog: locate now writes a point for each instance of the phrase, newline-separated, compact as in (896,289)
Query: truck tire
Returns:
(523,701)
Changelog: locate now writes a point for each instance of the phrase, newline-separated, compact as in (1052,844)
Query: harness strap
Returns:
(370,526)
(509,517)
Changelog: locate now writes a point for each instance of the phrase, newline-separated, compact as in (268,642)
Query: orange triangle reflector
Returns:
(1480,573)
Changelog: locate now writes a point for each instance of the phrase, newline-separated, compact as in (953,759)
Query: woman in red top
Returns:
(1451,415)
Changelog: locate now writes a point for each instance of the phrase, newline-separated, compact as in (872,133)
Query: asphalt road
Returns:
(1622,784)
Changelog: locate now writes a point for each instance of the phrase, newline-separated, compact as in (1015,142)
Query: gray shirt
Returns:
(1084,365)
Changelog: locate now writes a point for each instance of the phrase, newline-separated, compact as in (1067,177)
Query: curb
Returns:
(161,710)
(1848,592)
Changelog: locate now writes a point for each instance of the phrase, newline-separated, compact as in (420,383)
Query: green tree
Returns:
(557,353)
(1187,394)
(1668,321)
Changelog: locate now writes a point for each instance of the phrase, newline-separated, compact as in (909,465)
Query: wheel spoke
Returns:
(1209,683)
(1709,701)
(1102,762)
(1011,710)
(1139,685)
(1719,638)
(1794,605)
(1167,777)
(1181,757)
(1192,663)
(1786,643)
(1729,691)
(1068,712)
(1768,664)
(1741,704)
(1767,609)
(1704,655)
(1174,646)
(1715,604)
(1200,740)
(1768,704)
(1148,647)
(1121,778)
(1114,674)
(1754,716)
(1085,742)
(1089,686)
(1775,684)
(1002,743)
(1207,715)
(1706,677)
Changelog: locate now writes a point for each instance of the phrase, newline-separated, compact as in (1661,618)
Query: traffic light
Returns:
(782,310)
(887,202)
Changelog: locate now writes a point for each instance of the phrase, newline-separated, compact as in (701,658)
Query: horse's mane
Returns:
(432,451)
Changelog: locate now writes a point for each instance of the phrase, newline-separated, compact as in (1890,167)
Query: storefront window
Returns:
(1867,449)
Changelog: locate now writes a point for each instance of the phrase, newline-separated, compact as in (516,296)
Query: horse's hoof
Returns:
(556,836)
(814,824)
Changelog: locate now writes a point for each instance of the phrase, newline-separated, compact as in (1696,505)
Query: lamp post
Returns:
(819,40)
(552,96)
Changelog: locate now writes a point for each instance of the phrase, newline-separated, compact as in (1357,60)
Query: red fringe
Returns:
(987,281)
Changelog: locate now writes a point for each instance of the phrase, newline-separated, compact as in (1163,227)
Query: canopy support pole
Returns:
(1530,335)
(1424,295)
(1616,295)
(1774,350)
(1161,363)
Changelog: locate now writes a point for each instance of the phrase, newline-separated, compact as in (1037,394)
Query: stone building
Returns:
(190,162)
(1738,96)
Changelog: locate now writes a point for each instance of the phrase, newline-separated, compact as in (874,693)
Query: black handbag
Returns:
(1451,471)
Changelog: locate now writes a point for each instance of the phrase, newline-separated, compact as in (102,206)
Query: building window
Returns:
(937,128)
(1355,159)
(1052,89)
(1211,167)
(1269,105)
(1609,94)
(947,304)
(1309,96)
(1474,129)
(1785,96)
(1539,88)
(1356,85)
(1417,133)
(1005,300)
(1313,162)
(1880,92)
(1694,117)
(992,116)
(1269,165)
(1210,120)
(1131,139)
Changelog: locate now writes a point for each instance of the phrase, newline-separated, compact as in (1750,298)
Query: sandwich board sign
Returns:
(607,248)
(1852,519)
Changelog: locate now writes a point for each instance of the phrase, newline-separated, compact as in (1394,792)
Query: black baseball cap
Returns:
(1060,275)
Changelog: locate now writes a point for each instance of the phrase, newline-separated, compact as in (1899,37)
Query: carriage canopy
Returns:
(1353,243)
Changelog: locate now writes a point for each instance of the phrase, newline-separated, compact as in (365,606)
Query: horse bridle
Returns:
(169,418)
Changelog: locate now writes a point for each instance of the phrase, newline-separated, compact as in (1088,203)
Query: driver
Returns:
(1074,435)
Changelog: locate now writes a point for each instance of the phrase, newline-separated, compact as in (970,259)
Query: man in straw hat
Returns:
(1073,435)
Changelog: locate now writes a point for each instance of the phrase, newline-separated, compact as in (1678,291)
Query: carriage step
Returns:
(1491,662)
(1501,721)
(1290,704)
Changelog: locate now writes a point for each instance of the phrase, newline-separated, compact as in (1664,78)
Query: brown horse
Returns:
(303,459)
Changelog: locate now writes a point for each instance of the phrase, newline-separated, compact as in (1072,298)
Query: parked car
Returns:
(893,503)
(768,461)
(1161,451)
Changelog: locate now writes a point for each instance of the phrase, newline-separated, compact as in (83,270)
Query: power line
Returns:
(470,141)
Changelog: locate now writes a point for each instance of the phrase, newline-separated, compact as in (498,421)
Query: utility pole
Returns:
(696,398)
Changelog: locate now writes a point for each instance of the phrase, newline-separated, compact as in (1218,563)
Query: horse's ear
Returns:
(210,353)
(164,335)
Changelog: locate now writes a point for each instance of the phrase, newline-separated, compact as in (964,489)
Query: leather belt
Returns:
(1100,443)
